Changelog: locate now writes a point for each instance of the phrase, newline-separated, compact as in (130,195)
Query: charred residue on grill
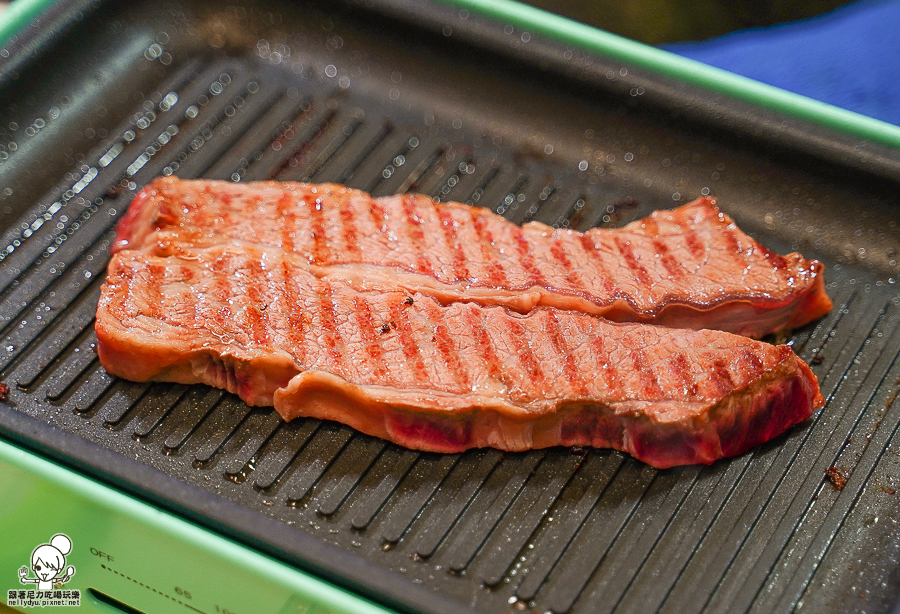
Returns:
(893,397)
(615,211)
(837,477)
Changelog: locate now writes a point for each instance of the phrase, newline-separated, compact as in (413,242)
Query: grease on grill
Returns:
(614,211)
(4,392)
(837,478)
(893,397)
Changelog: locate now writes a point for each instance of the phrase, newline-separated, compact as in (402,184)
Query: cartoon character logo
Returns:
(47,562)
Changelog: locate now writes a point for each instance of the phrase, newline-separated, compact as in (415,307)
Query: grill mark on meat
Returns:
(754,292)
(640,272)
(296,329)
(185,299)
(447,224)
(608,373)
(573,377)
(317,223)
(558,253)
(478,323)
(778,262)
(158,275)
(779,266)
(669,263)
(370,339)
(720,375)
(696,247)
(535,277)
(732,241)
(443,342)
(408,343)
(220,289)
(228,215)
(349,224)
(376,212)
(496,276)
(331,339)
(288,214)
(735,251)
(414,230)
(521,340)
(583,284)
(257,308)
(752,364)
(591,248)
(165,215)
(650,388)
(682,370)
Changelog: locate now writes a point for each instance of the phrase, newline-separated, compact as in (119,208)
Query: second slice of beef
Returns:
(689,268)
(441,378)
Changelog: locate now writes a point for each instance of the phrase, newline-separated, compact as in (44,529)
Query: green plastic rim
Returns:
(319,594)
(18,16)
(589,38)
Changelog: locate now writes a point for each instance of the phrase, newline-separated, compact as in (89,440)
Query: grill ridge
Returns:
(96,385)
(581,563)
(637,542)
(255,429)
(216,431)
(480,518)
(65,191)
(464,481)
(355,461)
(382,487)
(280,450)
(416,490)
(847,498)
(712,508)
(549,554)
(832,449)
(186,417)
(293,143)
(530,507)
(314,461)
(345,162)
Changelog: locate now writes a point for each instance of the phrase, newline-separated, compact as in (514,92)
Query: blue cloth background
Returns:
(849,58)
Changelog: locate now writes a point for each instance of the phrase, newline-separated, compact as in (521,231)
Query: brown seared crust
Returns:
(443,378)
(689,268)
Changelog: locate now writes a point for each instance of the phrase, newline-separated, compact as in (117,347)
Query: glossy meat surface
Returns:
(689,268)
(399,365)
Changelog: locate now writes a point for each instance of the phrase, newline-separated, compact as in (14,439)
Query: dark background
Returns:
(667,21)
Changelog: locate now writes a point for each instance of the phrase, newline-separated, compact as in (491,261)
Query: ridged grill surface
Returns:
(555,530)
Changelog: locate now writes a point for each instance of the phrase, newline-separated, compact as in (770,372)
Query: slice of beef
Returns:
(443,378)
(689,268)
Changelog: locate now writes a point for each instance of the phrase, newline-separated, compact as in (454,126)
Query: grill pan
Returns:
(390,97)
